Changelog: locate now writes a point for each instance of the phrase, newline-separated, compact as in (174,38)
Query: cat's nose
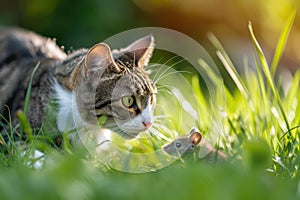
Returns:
(147,124)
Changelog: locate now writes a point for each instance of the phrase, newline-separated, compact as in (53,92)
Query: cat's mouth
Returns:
(128,129)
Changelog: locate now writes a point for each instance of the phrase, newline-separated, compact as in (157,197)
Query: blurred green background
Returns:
(77,23)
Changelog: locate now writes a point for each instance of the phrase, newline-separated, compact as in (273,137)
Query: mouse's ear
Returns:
(195,138)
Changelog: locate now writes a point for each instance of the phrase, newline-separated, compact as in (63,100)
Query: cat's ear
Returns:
(140,50)
(99,58)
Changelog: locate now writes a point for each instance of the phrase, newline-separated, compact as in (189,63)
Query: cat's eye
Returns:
(127,101)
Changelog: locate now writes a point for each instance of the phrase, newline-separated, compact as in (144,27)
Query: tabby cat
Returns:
(86,85)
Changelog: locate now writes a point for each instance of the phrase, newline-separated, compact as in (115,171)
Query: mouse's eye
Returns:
(127,101)
(178,144)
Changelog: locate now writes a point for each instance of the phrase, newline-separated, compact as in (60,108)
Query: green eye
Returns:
(127,101)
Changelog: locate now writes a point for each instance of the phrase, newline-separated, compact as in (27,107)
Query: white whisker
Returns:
(164,90)
(156,79)
(158,134)
(170,87)
(154,64)
(168,74)
(163,128)
(164,64)
(167,68)
(160,116)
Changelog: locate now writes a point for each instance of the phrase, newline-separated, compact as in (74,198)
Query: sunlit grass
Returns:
(259,132)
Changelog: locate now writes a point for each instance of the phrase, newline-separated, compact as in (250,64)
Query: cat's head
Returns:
(124,93)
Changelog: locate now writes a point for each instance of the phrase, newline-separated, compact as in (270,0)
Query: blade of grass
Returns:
(202,105)
(198,91)
(261,81)
(25,125)
(293,89)
(223,56)
(293,128)
(217,81)
(233,74)
(28,92)
(268,75)
(3,125)
(297,117)
(262,60)
(282,42)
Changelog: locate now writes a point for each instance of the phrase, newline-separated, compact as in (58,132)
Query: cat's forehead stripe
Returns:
(137,80)
(143,82)
(148,83)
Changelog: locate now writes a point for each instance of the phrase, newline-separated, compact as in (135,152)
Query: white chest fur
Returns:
(68,117)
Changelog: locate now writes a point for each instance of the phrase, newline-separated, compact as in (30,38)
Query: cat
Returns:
(86,85)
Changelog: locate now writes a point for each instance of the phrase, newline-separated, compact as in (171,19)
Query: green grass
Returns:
(260,126)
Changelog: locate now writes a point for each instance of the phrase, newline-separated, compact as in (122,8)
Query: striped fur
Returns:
(97,80)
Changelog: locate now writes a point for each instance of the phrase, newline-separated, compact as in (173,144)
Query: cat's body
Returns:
(87,84)
(21,51)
